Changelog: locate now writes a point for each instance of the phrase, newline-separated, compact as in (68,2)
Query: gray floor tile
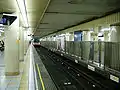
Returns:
(2,88)
(13,84)
(10,88)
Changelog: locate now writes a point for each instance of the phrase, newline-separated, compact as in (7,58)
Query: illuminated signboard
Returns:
(5,19)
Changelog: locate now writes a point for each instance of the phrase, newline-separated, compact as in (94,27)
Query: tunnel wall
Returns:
(107,55)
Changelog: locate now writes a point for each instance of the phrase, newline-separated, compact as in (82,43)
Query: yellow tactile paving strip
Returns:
(24,84)
(40,77)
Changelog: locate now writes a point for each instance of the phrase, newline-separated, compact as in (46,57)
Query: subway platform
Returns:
(79,39)
(33,74)
(9,82)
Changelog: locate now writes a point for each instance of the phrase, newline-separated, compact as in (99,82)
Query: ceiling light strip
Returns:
(22,7)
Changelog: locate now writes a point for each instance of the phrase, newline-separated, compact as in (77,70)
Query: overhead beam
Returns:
(76,13)
(42,15)
(44,23)
(107,19)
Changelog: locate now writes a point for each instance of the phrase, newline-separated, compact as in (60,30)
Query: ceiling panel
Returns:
(11,8)
(38,34)
(52,26)
(64,13)
(60,13)
(35,9)
(98,2)
(64,19)
(45,29)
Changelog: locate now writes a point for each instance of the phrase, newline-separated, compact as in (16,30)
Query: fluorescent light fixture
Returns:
(108,29)
(9,14)
(23,11)
(68,34)
(91,31)
(105,29)
(61,35)
(100,34)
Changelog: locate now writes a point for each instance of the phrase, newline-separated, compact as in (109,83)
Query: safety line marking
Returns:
(43,87)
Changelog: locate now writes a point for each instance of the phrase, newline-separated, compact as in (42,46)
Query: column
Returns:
(27,38)
(115,37)
(96,30)
(96,46)
(67,36)
(21,44)
(12,49)
(106,36)
(113,34)
(25,41)
(86,35)
(71,37)
(118,33)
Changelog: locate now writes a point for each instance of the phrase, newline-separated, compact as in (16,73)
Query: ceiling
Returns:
(61,14)
(11,8)
(35,9)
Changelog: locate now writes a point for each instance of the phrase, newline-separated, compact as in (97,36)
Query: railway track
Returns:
(68,75)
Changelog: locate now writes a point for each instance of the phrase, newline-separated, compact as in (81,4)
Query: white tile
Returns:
(14,83)
(4,81)
(16,79)
(2,88)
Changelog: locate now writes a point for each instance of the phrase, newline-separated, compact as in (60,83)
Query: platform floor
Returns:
(33,74)
(8,82)
(27,80)
(24,81)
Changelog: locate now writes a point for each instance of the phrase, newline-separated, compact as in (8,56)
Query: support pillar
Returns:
(115,34)
(71,37)
(21,44)
(106,36)
(25,41)
(96,30)
(86,36)
(118,33)
(96,47)
(12,49)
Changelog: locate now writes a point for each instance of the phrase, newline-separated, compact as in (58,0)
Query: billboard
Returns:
(78,36)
